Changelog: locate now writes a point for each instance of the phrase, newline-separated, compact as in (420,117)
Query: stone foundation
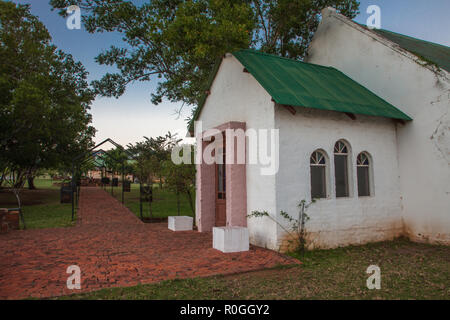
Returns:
(340,238)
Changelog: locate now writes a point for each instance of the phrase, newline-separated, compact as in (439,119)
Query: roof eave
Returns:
(383,40)
(405,117)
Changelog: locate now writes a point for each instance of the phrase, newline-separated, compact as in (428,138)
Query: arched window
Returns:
(341,156)
(363,173)
(318,163)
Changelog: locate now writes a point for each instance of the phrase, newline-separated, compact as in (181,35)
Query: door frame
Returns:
(221,202)
(235,182)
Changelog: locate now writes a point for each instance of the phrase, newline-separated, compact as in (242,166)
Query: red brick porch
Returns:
(113,248)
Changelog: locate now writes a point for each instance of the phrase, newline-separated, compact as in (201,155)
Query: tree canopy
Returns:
(149,156)
(44,97)
(180,178)
(177,42)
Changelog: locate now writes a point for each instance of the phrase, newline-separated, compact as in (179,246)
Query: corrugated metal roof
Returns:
(296,83)
(433,52)
(99,162)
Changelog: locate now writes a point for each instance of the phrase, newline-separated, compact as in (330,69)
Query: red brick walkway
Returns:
(113,248)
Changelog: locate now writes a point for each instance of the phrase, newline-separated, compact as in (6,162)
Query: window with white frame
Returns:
(341,171)
(363,164)
(318,165)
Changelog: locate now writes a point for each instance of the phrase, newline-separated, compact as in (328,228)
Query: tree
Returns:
(149,157)
(114,159)
(44,98)
(286,27)
(162,147)
(175,41)
(145,162)
(179,178)
(179,41)
(159,150)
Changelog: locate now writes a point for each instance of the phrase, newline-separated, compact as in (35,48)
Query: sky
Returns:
(132,116)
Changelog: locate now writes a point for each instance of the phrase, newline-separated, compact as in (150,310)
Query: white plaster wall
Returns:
(423,144)
(339,221)
(237,96)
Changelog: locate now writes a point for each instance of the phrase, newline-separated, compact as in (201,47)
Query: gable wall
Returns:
(424,143)
(237,96)
(338,221)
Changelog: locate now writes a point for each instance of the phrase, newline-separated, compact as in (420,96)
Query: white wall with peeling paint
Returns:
(347,220)
(410,162)
(236,96)
(417,89)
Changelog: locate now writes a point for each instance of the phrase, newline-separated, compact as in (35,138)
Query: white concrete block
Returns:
(180,223)
(230,239)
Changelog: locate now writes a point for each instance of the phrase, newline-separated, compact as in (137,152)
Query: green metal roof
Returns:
(432,52)
(99,161)
(296,83)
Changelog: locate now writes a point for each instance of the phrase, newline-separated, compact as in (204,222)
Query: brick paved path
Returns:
(113,248)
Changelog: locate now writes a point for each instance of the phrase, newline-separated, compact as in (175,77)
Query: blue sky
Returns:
(132,116)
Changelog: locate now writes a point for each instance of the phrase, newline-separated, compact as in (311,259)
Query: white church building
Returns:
(362,126)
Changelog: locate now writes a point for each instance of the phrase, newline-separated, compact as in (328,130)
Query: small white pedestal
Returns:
(230,239)
(180,223)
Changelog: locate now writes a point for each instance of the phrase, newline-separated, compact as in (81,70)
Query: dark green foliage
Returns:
(148,156)
(286,27)
(180,179)
(173,41)
(177,42)
(44,98)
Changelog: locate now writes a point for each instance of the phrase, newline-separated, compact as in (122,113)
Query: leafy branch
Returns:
(297,228)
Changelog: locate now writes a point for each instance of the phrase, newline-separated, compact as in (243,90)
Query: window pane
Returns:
(340,167)
(363,181)
(224,177)
(318,182)
(220,177)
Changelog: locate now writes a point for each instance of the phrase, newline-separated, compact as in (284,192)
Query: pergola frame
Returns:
(83,157)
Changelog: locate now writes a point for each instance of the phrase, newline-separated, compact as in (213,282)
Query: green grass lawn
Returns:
(164,202)
(41,207)
(408,271)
